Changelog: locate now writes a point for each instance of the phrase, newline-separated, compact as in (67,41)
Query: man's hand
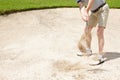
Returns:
(84,14)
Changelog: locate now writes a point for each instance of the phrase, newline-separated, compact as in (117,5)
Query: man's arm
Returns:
(90,3)
(80,4)
(83,11)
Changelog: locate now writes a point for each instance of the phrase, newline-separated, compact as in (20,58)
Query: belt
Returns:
(98,8)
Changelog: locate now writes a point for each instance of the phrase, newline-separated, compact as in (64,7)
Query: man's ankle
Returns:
(88,51)
(100,56)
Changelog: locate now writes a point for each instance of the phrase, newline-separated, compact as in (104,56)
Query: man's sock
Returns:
(89,51)
(100,56)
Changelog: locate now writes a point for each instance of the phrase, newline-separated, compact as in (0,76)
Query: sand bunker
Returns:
(42,45)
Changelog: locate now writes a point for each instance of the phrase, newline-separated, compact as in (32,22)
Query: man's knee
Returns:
(100,31)
(88,30)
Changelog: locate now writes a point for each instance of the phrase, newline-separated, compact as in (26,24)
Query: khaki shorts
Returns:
(100,17)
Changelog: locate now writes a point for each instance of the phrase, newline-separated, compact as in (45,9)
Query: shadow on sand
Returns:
(112,55)
(109,56)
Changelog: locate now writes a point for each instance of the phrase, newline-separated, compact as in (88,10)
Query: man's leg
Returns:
(87,33)
(102,20)
(85,42)
(100,34)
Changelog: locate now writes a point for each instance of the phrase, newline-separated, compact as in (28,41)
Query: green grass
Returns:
(8,6)
(114,3)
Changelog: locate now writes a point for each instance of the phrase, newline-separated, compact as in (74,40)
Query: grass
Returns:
(8,6)
(114,3)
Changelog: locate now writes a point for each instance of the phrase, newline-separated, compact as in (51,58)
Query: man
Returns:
(95,12)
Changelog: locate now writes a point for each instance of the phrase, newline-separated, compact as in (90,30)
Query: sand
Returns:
(42,45)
